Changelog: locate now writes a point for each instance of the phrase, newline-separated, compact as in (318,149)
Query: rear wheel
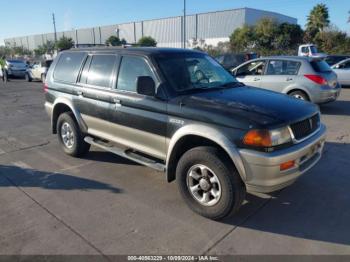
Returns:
(299,95)
(70,137)
(209,183)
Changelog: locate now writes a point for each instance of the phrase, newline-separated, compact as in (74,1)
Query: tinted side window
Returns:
(282,67)
(305,49)
(68,66)
(101,70)
(85,71)
(130,69)
(345,65)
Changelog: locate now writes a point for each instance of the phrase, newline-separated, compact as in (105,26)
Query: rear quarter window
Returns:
(320,66)
(68,66)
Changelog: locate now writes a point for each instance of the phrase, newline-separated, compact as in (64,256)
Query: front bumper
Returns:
(18,73)
(263,169)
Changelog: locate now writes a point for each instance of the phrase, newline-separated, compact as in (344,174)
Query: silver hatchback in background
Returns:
(342,69)
(301,77)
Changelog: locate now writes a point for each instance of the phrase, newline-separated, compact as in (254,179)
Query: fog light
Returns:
(287,165)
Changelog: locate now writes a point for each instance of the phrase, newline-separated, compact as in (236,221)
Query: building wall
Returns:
(212,27)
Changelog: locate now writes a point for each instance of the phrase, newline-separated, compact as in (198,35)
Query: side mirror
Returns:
(145,86)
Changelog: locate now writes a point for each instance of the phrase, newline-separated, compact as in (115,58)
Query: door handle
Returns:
(256,79)
(289,79)
(117,100)
(80,93)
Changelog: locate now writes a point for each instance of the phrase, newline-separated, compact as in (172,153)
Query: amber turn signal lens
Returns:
(260,138)
(287,165)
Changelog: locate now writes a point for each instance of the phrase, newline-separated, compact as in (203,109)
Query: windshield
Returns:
(191,71)
(16,62)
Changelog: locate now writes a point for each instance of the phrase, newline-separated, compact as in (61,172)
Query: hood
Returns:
(242,107)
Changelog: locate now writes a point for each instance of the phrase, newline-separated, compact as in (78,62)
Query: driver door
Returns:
(251,73)
(138,121)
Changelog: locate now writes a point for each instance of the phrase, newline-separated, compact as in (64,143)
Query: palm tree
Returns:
(318,18)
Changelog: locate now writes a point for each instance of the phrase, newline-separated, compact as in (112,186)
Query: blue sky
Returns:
(23,18)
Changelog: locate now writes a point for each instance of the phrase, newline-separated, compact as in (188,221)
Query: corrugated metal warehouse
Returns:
(211,27)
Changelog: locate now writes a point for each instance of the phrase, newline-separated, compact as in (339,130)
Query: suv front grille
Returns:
(305,127)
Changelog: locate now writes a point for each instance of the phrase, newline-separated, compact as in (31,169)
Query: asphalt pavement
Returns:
(51,203)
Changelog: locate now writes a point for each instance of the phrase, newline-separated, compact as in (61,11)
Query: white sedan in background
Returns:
(342,69)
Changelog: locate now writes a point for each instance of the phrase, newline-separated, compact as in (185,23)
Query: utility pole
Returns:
(54,26)
(184,31)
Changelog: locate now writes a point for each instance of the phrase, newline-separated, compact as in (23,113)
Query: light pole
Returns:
(184,24)
(54,26)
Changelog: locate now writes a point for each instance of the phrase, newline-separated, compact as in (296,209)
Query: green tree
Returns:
(115,41)
(46,48)
(266,31)
(289,36)
(318,19)
(242,39)
(333,41)
(40,50)
(147,41)
(64,43)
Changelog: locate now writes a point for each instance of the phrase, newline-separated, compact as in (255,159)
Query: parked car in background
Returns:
(230,61)
(38,71)
(342,69)
(180,112)
(16,68)
(301,77)
(310,50)
(335,59)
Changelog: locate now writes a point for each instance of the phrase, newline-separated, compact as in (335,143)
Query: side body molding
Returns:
(67,102)
(209,133)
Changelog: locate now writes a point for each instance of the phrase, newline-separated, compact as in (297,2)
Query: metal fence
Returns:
(211,27)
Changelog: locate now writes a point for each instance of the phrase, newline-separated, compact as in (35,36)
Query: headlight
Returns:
(267,138)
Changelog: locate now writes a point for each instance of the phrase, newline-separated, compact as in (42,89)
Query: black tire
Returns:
(27,77)
(79,147)
(299,95)
(232,188)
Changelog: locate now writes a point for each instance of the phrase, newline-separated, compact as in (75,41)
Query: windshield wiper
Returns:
(207,88)
(232,84)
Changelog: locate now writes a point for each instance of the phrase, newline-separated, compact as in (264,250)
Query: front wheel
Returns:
(70,137)
(209,183)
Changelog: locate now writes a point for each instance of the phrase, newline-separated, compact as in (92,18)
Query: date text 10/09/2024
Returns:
(172,258)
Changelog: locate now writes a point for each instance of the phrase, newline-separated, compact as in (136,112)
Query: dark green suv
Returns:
(180,112)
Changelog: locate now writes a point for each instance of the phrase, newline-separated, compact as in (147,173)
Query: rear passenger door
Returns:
(280,74)
(251,73)
(139,121)
(94,92)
